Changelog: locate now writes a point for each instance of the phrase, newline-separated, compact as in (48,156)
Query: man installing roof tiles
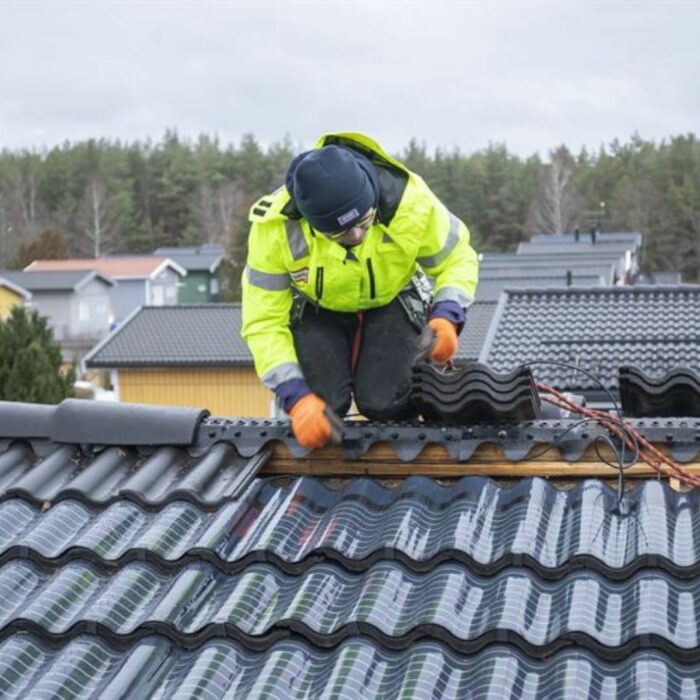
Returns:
(334,295)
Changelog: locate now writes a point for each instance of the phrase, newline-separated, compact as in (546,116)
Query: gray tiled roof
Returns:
(602,238)
(129,573)
(597,257)
(493,282)
(580,249)
(611,267)
(196,259)
(52,281)
(597,329)
(16,288)
(490,289)
(475,330)
(174,336)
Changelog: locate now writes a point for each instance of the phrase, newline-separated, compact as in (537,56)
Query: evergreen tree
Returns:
(30,361)
(108,196)
(174,181)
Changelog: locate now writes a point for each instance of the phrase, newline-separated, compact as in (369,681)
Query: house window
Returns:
(83,312)
(157,296)
(214,285)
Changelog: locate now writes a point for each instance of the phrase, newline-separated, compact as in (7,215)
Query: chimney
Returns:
(569,278)
(577,234)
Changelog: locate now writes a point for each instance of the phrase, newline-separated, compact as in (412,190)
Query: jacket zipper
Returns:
(319,282)
(372,289)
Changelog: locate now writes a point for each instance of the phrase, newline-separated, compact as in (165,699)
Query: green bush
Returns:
(30,361)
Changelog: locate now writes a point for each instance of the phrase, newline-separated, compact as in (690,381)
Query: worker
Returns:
(335,293)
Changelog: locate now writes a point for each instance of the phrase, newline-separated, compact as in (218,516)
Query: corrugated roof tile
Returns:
(359,668)
(152,577)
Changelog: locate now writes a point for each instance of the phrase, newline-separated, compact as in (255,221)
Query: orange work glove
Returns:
(311,427)
(446,343)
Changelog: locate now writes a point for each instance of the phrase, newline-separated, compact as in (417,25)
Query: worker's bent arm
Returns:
(267,300)
(446,254)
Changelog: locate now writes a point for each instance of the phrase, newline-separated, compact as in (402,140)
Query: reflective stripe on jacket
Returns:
(413,229)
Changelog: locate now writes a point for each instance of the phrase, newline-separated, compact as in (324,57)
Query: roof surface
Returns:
(196,259)
(56,281)
(594,257)
(123,267)
(582,248)
(633,237)
(490,289)
(598,329)
(193,575)
(176,336)
(14,287)
(472,338)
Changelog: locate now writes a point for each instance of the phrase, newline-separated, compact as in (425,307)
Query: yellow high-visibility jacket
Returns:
(414,230)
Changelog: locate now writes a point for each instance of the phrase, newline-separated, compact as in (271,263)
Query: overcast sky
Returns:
(531,75)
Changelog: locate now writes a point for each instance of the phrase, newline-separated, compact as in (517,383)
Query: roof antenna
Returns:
(593,231)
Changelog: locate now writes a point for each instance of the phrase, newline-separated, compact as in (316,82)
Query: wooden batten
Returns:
(381,460)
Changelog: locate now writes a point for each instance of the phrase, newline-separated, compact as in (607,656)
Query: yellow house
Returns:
(11,295)
(185,355)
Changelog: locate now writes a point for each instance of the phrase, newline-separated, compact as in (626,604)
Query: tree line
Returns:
(99,196)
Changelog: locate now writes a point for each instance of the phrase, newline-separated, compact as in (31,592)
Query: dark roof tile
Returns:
(358,668)
(676,393)
(289,588)
(422,523)
(327,605)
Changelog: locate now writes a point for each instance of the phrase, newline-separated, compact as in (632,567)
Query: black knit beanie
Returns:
(333,188)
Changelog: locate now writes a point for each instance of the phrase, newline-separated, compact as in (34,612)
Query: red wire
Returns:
(621,428)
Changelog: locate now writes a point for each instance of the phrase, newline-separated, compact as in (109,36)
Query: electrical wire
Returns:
(616,426)
(662,464)
(620,453)
(576,368)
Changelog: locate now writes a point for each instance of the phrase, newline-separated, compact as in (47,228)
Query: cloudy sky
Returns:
(531,75)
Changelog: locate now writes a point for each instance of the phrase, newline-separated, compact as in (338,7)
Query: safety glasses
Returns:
(364,223)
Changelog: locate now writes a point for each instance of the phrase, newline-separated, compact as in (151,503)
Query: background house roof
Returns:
(55,281)
(562,259)
(122,267)
(527,267)
(493,281)
(175,336)
(583,248)
(472,338)
(631,237)
(598,329)
(14,286)
(205,258)
(491,288)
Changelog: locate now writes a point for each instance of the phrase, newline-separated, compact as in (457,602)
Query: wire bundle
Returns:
(629,437)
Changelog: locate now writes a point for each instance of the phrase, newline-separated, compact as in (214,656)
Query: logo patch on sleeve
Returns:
(348,216)
(300,276)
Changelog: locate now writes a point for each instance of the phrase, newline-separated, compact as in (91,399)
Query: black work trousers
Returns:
(378,373)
